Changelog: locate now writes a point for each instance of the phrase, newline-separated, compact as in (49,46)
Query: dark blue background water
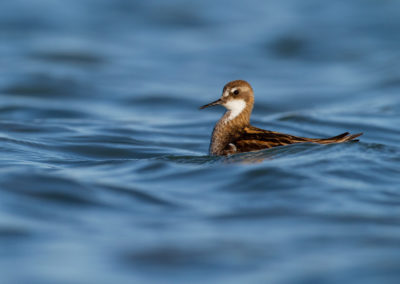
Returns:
(104,172)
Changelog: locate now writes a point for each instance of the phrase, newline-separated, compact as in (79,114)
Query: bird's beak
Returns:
(217,102)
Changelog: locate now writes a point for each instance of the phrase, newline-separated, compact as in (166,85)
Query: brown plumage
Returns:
(233,133)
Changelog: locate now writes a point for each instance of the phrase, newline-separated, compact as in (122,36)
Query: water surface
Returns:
(104,171)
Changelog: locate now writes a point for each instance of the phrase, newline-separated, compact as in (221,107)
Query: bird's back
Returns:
(253,138)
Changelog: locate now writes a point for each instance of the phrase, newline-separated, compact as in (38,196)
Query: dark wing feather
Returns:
(253,138)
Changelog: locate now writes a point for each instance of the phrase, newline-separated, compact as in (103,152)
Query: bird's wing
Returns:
(253,138)
(266,139)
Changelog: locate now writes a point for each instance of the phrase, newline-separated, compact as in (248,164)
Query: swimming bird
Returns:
(233,133)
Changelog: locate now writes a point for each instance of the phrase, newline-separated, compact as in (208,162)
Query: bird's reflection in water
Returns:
(273,153)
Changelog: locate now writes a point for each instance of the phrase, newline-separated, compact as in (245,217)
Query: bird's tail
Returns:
(344,137)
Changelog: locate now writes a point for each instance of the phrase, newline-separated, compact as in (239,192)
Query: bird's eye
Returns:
(236,92)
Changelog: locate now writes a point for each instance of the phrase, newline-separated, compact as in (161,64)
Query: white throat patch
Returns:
(235,107)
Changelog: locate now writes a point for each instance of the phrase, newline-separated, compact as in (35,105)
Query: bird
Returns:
(234,134)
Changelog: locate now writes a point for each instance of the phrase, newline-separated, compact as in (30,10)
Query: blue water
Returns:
(104,172)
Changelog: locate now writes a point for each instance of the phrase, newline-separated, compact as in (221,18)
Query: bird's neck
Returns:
(229,128)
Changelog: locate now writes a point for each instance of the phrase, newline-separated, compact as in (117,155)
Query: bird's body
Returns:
(233,133)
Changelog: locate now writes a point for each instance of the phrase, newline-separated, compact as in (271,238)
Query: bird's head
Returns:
(236,96)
